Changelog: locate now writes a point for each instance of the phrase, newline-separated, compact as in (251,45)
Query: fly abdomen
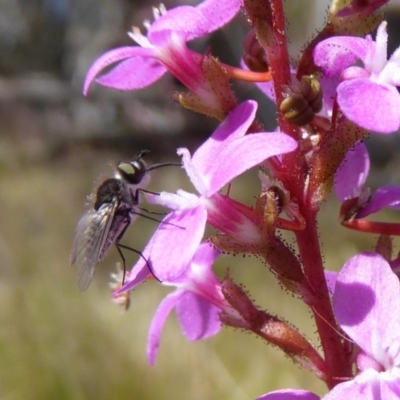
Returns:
(120,223)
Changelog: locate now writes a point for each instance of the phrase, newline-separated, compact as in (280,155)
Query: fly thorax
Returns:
(108,192)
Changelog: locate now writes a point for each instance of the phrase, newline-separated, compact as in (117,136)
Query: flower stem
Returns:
(336,359)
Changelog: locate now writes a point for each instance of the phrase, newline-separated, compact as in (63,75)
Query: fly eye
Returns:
(132,172)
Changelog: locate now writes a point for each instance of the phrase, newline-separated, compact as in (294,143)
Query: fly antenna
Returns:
(161,165)
(142,153)
(155,166)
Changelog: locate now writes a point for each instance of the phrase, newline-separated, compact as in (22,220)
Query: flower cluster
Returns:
(342,87)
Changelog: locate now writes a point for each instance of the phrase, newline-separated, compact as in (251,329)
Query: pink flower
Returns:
(366,95)
(197,300)
(366,303)
(289,394)
(225,155)
(350,182)
(164,48)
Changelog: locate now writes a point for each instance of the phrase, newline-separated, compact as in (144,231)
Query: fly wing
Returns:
(91,241)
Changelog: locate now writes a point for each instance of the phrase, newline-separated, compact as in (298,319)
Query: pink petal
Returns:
(395,57)
(173,245)
(390,389)
(200,277)
(385,197)
(354,72)
(244,153)
(367,305)
(335,54)
(364,362)
(198,318)
(181,200)
(234,126)
(139,273)
(196,175)
(157,324)
(219,12)
(185,21)
(205,257)
(390,74)
(194,22)
(369,385)
(112,57)
(380,55)
(289,394)
(329,86)
(356,389)
(330,277)
(133,73)
(352,174)
(370,105)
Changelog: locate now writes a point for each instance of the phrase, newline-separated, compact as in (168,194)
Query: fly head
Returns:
(133,172)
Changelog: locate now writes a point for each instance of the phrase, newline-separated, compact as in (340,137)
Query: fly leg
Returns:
(140,190)
(118,245)
(135,198)
(151,212)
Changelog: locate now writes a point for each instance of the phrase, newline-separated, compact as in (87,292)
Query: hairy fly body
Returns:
(115,208)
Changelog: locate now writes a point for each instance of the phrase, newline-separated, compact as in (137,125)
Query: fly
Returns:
(116,206)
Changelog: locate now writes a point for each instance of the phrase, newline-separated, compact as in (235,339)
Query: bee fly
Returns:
(115,208)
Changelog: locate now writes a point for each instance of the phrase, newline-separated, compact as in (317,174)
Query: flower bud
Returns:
(300,107)
(254,55)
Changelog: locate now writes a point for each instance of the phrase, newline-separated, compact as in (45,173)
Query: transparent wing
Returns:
(91,242)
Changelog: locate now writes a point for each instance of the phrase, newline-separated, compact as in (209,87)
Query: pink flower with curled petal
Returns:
(164,48)
(225,155)
(197,299)
(350,182)
(366,303)
(353,172)
(289,394)
(366,95)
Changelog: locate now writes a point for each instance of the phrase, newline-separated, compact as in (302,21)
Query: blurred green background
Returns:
(57,343)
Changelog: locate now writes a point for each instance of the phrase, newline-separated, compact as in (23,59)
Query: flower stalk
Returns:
(343,86)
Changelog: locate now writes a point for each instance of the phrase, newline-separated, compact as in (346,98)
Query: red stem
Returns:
(381,228)
(268,21)
(308,241)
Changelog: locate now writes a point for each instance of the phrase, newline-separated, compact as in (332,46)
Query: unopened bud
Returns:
(254,55)
(300,107)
